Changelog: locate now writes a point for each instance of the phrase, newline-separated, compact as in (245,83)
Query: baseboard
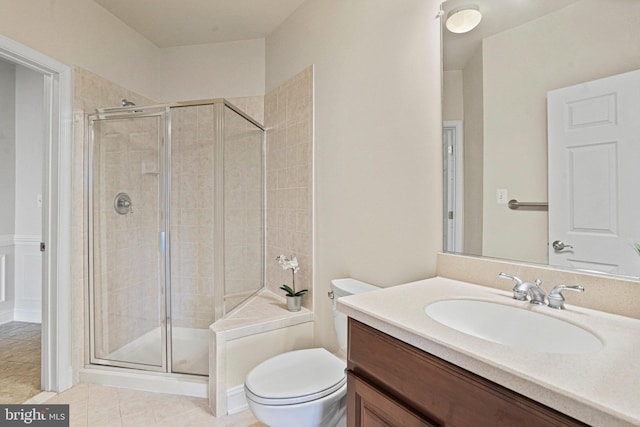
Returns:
(31,316)
(236,400)
(6,316)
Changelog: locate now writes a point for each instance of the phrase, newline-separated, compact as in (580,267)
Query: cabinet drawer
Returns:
(438,390)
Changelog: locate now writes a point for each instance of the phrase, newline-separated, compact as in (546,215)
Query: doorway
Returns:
(55,241)
(453,180)
(21,172)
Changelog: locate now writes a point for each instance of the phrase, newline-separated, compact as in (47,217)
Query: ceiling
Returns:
(497,16)
(170,23)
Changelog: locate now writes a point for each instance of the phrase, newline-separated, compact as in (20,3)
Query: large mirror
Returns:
(502,82)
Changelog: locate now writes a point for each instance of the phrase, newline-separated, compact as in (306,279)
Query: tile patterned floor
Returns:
(93,405)
(19,361)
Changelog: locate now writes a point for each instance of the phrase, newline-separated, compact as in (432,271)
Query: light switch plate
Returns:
(501,196)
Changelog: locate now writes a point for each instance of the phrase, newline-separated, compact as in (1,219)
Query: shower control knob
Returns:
(122,204)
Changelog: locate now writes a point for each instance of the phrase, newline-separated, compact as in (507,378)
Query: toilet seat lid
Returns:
(295,377)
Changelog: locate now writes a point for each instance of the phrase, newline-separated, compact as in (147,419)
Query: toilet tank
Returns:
(342,288)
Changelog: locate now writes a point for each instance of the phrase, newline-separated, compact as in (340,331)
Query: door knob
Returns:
(559,245)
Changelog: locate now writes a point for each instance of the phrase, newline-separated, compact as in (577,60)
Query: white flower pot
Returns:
(294,303)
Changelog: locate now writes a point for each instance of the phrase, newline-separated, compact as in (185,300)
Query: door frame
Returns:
(162,113)
(57,371)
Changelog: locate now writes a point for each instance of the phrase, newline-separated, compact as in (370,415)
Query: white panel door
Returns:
(594,174)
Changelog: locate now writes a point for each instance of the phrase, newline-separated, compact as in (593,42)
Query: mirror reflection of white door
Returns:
(594,174)
(453,185)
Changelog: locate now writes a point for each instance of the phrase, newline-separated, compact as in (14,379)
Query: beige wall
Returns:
(377,155)
(82,33)
(452,99)
(473,149)
(595,39)
(213,70)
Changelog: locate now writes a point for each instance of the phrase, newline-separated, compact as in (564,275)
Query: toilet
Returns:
(305,388)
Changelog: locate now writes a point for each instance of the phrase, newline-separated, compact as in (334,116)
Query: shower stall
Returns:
(175,230)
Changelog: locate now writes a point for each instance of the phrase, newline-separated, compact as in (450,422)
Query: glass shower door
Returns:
(243,209)
(127,225)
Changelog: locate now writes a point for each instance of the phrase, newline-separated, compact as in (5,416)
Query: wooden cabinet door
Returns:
(369,407)
(429,388)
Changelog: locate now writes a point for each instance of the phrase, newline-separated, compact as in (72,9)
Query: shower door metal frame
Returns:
(165,269)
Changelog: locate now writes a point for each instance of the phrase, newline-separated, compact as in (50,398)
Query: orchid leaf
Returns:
(291,292)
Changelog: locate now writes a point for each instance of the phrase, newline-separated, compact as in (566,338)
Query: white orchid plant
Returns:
(290,264)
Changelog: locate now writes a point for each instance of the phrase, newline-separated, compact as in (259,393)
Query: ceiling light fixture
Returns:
(463,19)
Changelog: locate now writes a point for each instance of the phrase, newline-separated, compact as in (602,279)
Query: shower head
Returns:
(127,103)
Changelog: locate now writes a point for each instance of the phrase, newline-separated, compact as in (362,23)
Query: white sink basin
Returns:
(513,326)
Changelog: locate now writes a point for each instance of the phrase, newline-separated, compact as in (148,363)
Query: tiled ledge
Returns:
(264,312)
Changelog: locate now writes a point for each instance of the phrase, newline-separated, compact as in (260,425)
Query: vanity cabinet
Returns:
(391,383)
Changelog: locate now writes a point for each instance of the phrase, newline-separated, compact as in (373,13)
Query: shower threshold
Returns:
(190,353)
(159,382)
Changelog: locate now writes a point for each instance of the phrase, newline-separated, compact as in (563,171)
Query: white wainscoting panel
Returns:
(28,279)
(3,277)
(6,278)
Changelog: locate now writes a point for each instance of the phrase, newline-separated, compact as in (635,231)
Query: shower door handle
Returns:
(162,241)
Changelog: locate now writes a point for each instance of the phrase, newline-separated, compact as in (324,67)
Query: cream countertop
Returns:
(600,389)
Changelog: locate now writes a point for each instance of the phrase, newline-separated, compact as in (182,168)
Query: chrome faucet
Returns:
(536,293)
(523,289)
(556,299)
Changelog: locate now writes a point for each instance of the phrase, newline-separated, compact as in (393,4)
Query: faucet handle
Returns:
(509,276)
(520,289)
(555,297)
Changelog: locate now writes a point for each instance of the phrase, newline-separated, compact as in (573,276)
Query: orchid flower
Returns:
(290,264)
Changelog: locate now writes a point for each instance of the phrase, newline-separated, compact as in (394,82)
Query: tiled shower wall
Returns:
(193,133)
(289,121)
